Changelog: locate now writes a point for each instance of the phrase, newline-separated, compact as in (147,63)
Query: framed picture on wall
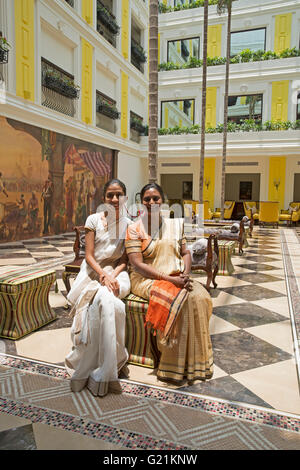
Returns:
(187,190)
(246,190)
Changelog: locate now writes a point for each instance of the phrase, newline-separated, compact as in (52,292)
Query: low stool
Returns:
(226,250)
(139,341)
(24,302)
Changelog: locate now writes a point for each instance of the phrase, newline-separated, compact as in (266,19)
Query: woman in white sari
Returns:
(99,356)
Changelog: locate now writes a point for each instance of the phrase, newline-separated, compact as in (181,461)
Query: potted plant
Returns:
(138,52)
(137,125)
(64,86)
(4,50)
(108,109)
(107,18)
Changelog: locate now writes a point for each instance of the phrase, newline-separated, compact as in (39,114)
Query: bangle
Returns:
(160,276)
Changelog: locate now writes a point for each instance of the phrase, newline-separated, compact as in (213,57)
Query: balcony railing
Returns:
(107,25)
(58,89)
(138,55)
(106,113)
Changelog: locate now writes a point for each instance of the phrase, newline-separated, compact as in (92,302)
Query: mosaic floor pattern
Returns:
(255,335)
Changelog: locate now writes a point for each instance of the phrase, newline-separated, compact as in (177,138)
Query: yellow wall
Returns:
(87,82)
(25,48)
(280,99)
(277,169)
(211,103)
(124,105)
(214,40)
(88,11)
(282,38)
(125,29)
(209,174)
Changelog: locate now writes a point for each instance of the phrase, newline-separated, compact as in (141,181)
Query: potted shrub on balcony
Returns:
(137,125)
(64,86)
(4,50)
(138,52)
(108,110)
(107,18)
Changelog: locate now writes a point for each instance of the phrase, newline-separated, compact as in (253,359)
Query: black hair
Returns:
(154,186)
(114,181)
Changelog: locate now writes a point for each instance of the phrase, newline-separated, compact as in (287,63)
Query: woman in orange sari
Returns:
(179,307)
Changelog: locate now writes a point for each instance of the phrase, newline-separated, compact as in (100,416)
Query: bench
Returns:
(24,303)
(140,343)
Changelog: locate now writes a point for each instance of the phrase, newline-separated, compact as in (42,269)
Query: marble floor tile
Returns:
(279,334)
(46,345)
(223,298)
(277,286)
(17,261)
(256,278)
(264,381)
(219,325)
(252,292)
(51,438)
(226,388)
(56,299)
(275,272)
(228,281)
(263,259)
(247,314)
(279,305)
(20,438)
(239,350)
(8,421)
(258,267)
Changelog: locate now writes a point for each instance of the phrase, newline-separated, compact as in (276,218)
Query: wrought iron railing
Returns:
(58,89)
(107,25)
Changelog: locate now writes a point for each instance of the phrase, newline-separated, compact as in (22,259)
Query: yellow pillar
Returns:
(87,82)
(214,40)
(87,11)
(209,181)
(277,169)
(211,103)
(124,105)
(283,24)
(280,99)
(125,29)
(25,48)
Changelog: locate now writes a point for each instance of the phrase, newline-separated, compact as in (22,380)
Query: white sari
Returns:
(98,329)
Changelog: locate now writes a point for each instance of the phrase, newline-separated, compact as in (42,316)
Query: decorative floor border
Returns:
(293,295)
(68,422)
(225,408)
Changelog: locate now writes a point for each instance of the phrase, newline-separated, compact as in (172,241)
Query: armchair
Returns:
(292,214)
(228,209)
(251,208)
(207,212)
(269,213)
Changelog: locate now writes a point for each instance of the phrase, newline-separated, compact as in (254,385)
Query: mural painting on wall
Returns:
(48,182)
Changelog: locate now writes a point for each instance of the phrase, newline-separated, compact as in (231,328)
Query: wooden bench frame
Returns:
(208,268)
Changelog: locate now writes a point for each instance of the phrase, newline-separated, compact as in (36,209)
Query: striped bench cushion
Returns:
(140,343)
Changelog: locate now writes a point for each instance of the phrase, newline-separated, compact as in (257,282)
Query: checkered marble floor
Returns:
(255,349)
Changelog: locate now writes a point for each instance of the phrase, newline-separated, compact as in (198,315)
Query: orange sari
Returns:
(173,312)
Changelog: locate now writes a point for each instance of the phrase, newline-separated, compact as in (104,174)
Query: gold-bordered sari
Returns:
(190,356)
